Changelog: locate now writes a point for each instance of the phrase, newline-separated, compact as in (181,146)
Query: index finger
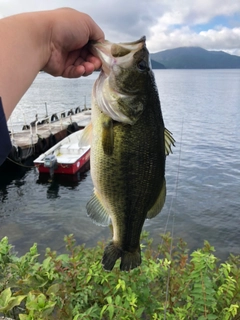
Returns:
(95,32)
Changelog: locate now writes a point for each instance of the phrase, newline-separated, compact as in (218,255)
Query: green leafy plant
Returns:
(170,284)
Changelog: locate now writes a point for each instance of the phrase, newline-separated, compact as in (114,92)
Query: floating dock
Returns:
(42,134)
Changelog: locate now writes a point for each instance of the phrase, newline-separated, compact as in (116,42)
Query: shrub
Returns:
(74,286)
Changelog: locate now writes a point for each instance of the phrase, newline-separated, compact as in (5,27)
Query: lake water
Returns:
(202,110)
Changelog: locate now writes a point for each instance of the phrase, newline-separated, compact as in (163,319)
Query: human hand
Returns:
(70,32)
(55,41)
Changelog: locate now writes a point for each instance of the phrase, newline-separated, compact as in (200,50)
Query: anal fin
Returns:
(96,210)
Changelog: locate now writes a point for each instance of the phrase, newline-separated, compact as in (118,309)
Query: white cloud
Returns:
(193,12)
(177,27)
(214,39)
(167,24)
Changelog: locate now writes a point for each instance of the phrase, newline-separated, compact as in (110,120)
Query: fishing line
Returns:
(173,218)
(176,185)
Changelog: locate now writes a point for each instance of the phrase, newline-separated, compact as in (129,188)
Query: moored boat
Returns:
(67,157)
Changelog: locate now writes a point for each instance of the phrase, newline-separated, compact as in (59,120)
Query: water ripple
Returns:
(201,109)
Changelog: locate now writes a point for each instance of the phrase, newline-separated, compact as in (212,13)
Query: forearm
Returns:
(54,41)
(25,50)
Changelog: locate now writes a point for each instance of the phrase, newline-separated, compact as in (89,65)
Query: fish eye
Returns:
(142,65)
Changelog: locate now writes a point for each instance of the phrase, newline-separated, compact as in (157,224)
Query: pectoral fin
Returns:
(158,205)
(169,141)
(96,210)
(86,135)
(107,135)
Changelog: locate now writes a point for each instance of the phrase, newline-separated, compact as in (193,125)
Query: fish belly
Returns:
(128,182)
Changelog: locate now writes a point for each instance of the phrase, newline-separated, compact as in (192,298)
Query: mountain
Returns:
(157,65)
(196,58)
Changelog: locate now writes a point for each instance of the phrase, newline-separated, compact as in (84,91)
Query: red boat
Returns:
(67,157)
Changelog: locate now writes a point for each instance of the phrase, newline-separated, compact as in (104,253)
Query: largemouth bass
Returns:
(128,149)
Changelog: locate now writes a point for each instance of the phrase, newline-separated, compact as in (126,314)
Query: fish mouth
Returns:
(110,53)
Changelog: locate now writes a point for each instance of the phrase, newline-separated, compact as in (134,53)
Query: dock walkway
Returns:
(41,136)
(29,137)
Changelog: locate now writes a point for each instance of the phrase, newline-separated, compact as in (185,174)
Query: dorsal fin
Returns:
(169,141)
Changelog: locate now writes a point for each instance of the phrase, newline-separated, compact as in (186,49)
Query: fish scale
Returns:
(127,150)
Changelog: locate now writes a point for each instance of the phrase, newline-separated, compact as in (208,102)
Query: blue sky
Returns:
(210,24)
(218,22)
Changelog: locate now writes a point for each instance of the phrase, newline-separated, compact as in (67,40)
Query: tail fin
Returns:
(110,256)
(129,260)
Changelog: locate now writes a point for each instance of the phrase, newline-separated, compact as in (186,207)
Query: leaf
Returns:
(89,277)
(46,262)
(54,289)
(32,305)
(109,300)
(5,297)
(118,300)
(111,311)
(48,309)
(33,250)
(103,310)
(139,312)
(7,302)
(15,302)
(63,257)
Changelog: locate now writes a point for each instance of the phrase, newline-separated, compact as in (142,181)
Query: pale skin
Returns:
(54,41)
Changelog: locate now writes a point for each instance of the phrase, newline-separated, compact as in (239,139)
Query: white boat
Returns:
(66,157)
